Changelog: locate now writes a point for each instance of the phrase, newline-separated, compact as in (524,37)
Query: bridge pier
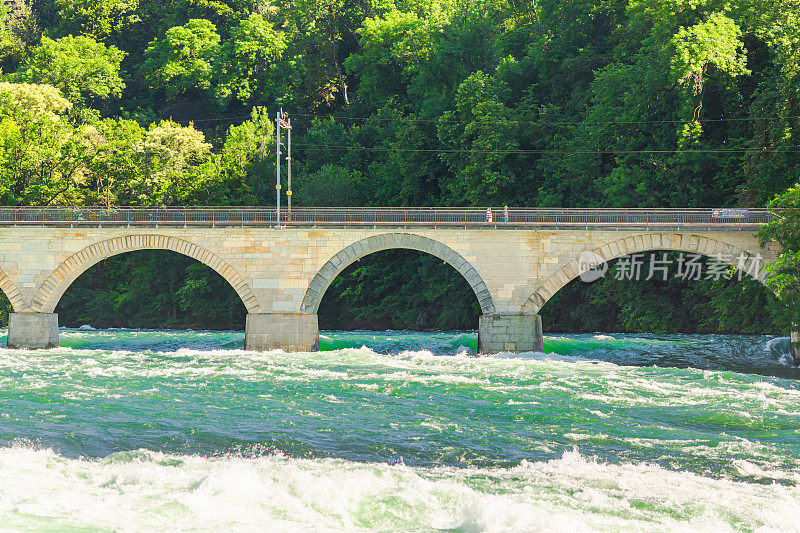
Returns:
(32,331)
(510,333)
(291,332)
(794,337)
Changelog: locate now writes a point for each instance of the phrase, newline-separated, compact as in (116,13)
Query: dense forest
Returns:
(574,103)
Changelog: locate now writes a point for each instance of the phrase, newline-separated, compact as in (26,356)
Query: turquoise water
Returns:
(132,430)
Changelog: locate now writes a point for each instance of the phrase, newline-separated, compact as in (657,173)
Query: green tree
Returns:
(43,158)
(82,68)
(118,165)
(167,152)
(243,172)
(714,42)
(180,63)
(19,29)
(482,133)
(99,19)
(391,47)
(323,34)
(783,274)
(333,185)
(247,66)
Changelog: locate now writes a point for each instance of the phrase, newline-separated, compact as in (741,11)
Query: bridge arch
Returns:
(61,278)
(388,241)
(648,242)
(11,291)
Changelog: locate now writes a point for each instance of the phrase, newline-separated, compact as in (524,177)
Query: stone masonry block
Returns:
(515,333)
(285,331)
(32,331)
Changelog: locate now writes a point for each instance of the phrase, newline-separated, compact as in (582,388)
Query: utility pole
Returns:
(289,166)
(278,168)
(282,121)
(286,123)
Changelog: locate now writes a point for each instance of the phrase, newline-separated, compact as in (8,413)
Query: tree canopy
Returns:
(637,103)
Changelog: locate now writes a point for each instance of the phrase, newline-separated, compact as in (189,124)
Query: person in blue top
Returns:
(505,214)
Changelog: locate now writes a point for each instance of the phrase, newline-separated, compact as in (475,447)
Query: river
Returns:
(129,430)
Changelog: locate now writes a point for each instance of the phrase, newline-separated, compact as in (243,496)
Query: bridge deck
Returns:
(650,219)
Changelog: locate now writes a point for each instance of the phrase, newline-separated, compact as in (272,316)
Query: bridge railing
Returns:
(665,219)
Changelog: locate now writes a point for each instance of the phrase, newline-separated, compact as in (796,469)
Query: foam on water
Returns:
(129,491)
(442,343)
(131,430)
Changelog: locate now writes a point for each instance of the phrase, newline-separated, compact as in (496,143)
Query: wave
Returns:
(766,355)
(779,348)
(440,343)
(142,489)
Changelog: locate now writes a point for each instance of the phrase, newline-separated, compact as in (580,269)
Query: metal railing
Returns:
(655,219)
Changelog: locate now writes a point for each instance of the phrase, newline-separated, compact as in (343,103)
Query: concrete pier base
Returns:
(510,333)
(291,332)
(32,331)
(794,337)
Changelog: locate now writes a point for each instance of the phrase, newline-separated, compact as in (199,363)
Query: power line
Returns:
(322,147)
(480,121)
(538,122)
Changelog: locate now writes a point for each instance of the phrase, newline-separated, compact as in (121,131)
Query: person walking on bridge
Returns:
(488,214)
(505,213)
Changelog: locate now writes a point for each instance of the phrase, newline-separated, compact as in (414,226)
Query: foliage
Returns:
(180,62)
(43,158)
(399,289)
(97,18)
(166,150)
(717,42)
(34,100)
(672,305)
(18,30)
(80,67)
(243,172)
(637,103)
(156,289)
(783,275)
(247,69)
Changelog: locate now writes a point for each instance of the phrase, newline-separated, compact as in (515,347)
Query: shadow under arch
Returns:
(64,274)
(751,261)
(388,241)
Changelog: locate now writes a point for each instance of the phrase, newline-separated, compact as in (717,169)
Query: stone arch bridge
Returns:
(281,270)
